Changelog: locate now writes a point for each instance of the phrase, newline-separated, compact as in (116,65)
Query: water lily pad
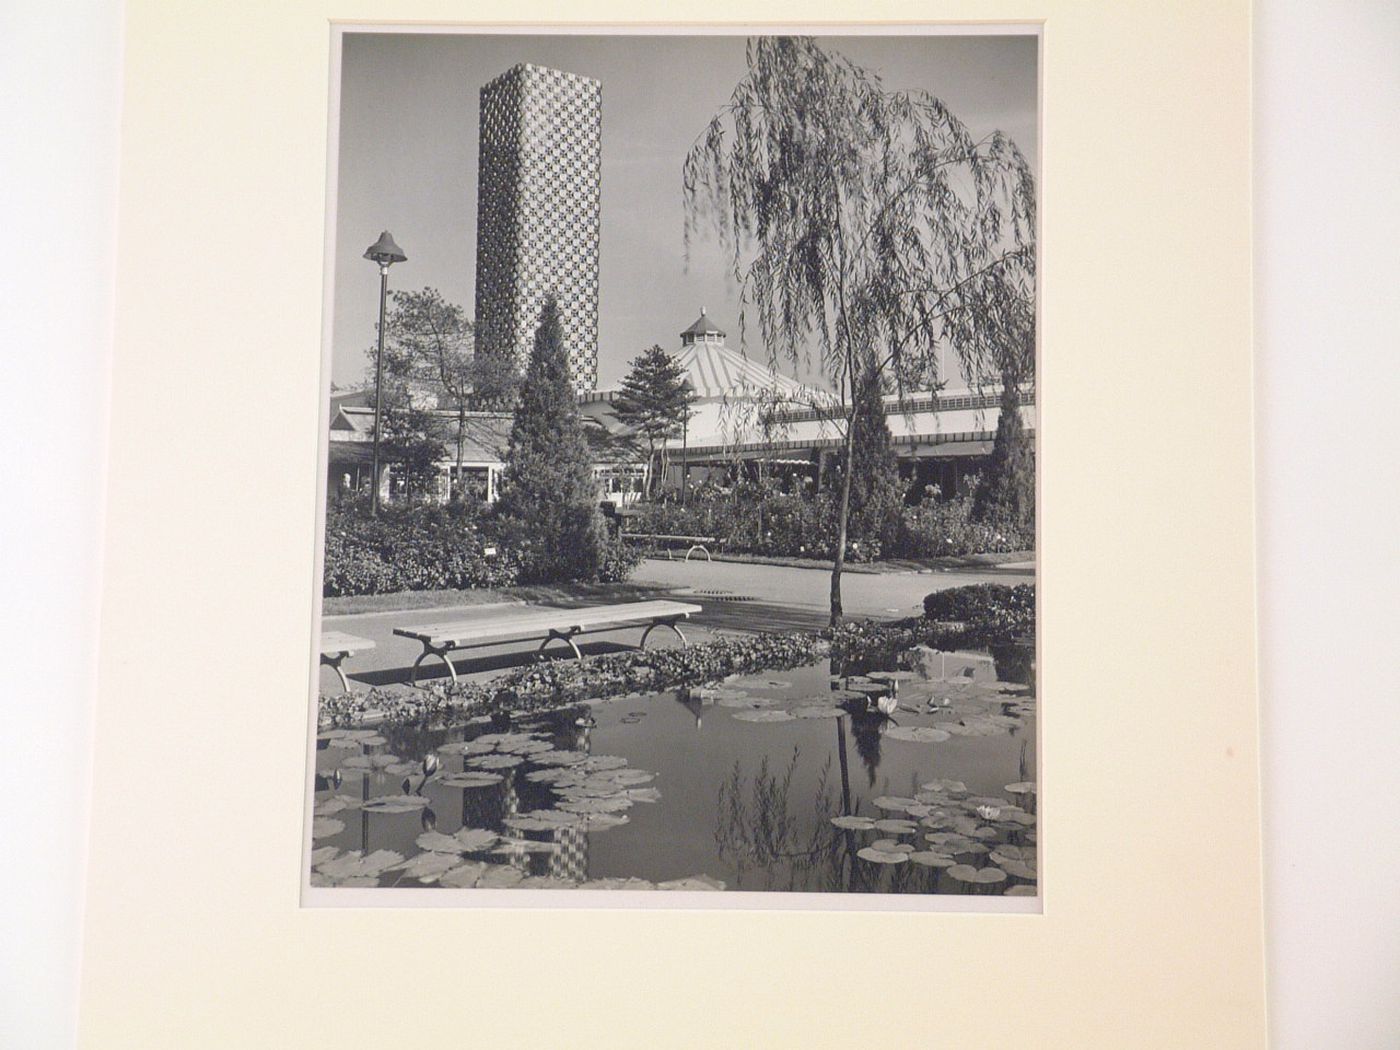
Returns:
(692,883)
(399,769)
(552,775)
(1020,869)
(504,738)
(359,865)
(763,716)
(350,882)
(817,711)
(373,740)
(918,734)
(437,842)
(525,747)
(625,777)
(891,825)
(470,779)
(595,805)
(757,682)
(602,763)
(558,758)
(325,827)
(528,822)
(336,803)
(428,867)
(1022,891)
(369,763)
(976,876)
(851,823)
(947,787)
(896,803)
(464,876)
(467,747)
(643,794)
(880,856)
(499,877)
(546,882)
(558,818)
(932,859)
(495,762)
(511,845)
(395,804)
(617,884)
(1005,853)
(742,702)
(322,854)
(603,821)
(1024,787)
(892,846)
(340,743)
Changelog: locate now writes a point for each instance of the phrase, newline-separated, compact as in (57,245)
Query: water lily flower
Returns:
(887,705)
(988,812)
(430,764)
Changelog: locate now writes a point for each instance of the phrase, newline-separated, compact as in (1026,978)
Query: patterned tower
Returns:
(537,213)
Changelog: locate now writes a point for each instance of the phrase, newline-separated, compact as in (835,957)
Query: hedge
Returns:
(563,683)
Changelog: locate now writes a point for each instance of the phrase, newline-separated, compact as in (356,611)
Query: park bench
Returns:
(547,625)
(337,647)
(694,543)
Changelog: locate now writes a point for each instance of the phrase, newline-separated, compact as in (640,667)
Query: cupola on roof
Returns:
(702,328)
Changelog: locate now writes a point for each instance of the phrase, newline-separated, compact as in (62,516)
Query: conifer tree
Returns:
(653,400)
(1006,495)
(549,498)
(877,494)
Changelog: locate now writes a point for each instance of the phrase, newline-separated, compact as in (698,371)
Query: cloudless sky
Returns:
(408,162)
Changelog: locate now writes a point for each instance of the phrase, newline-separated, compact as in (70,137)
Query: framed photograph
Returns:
(734,707)
(764,497)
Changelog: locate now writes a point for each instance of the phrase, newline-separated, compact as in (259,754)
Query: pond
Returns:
(782,781)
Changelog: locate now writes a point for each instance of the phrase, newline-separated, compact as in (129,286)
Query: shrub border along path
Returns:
(996,615)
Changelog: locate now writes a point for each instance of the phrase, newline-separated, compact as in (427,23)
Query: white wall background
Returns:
(1328,290)
(1327,265)
(59,82)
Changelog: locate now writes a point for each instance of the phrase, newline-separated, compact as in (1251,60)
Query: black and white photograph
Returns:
(678,466)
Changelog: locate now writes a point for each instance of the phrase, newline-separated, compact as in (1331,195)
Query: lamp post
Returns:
(384,253)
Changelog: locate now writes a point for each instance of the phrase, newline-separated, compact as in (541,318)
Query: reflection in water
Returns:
(757,832)
(675,786)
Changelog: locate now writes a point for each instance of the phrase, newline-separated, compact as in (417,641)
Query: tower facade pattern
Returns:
(538,198)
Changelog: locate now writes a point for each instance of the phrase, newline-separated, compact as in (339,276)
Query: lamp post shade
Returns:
(384,251)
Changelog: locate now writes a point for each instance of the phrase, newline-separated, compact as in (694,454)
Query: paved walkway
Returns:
(781,599)
(862,594)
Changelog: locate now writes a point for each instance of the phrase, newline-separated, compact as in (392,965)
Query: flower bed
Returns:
(793,525)
(434,548)
(560,683)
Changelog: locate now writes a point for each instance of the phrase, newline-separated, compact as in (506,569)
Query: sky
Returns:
(408,162)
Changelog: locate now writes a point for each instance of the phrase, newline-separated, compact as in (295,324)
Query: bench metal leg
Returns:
(567,637)
(662,623)
(333,661)
(441,654)
(698,547)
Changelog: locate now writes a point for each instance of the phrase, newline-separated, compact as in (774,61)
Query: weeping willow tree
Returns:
(869,230)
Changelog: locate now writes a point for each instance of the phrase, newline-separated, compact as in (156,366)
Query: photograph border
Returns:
(446,897)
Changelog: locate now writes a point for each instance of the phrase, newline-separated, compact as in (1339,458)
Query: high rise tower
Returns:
(537,213)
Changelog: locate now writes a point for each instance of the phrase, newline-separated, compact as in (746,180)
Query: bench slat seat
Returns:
(564,625)
(336,647)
